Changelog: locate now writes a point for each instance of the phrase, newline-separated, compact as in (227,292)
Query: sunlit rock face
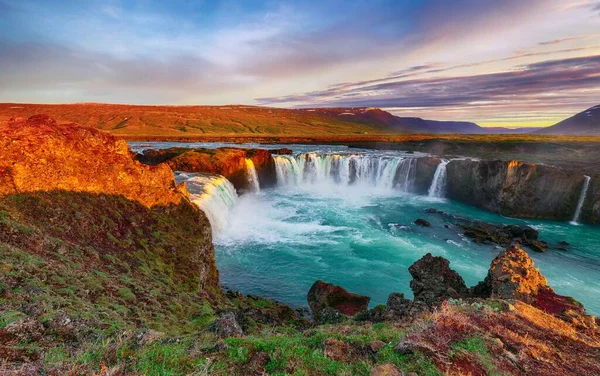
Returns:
(232,163)
(519,189)
(81,185)
(38,154)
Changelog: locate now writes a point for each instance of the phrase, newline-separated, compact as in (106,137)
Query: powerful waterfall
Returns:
(438,184)
(586,185)
(376,171)
(252,175)
(214,194)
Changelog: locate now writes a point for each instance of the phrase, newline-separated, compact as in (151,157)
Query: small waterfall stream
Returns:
(584,189)
(252,175)
(214,194)
(438,184)
(377,171)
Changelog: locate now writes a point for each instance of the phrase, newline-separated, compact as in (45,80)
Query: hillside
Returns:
(240,121)
(586,123)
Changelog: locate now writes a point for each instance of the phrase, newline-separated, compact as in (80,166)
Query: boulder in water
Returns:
(422,222)
(324,295)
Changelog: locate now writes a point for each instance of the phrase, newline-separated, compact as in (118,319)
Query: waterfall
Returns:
(252,175)
(584,189)
(214,194)
(376,171)
(438,184)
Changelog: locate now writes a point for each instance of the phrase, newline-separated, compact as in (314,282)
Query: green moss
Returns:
(126,294)
(9,317)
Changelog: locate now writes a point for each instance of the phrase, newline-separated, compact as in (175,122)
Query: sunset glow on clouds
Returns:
(511,63)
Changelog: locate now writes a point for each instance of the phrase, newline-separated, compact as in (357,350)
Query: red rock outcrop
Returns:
(326,295)
(512,275)
(40,155)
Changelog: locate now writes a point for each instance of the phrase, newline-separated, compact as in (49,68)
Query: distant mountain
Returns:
(586,123)
(384,119)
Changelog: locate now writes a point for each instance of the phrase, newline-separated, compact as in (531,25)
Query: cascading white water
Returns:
(438,184)
(252,175)
(214,194)
(377,171)
(584,189)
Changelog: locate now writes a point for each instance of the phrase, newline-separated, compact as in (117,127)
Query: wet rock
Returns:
(422,222)
(425,169)
(434,281)
(326,295)
(537,246)
(386,369)
(336,350)
(227,326)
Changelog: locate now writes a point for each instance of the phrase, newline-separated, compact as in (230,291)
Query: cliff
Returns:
(523,190)
(229,162)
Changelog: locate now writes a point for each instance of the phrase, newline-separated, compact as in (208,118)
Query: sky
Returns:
(509,63)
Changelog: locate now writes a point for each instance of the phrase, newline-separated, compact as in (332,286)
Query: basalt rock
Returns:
(422,222)
(324,295)
(519,189)
(229,162)
(434,281)
(425,170)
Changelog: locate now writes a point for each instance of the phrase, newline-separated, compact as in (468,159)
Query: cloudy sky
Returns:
(510,62)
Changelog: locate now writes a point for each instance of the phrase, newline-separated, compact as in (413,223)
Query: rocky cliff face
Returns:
(39,155)
(229,162)
(520,190)
(73,190)
(426,167)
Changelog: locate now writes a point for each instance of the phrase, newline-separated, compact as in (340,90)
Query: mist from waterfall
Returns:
(438,184)
(377,171)
(584,189)
(252,175)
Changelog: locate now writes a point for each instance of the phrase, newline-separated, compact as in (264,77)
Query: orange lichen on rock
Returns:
(38,154)
(512,275)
